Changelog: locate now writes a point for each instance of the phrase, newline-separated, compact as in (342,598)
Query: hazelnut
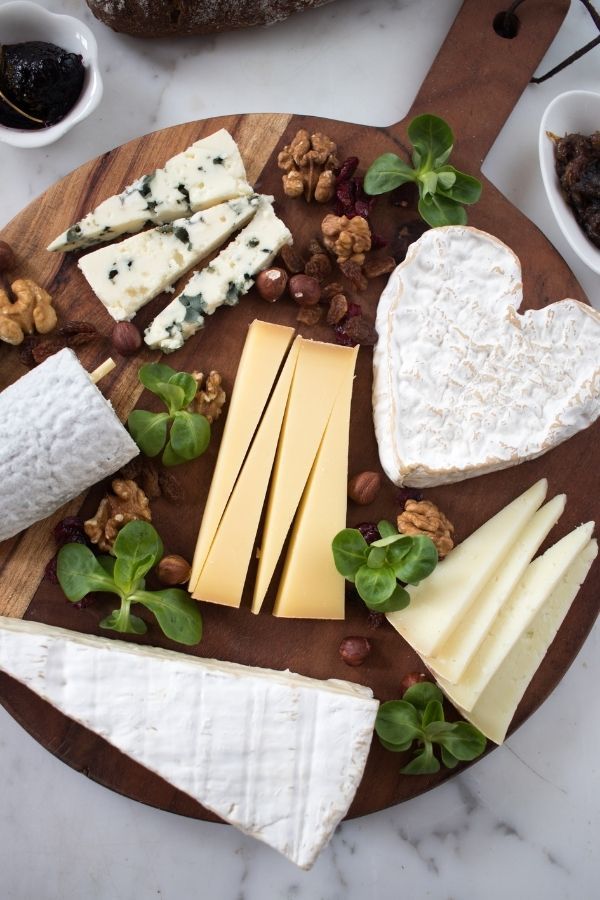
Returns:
(7,257)
(364,487)
(271,283)
(305,290)
(126,338)
(413,678)
(354,650)
(173,570)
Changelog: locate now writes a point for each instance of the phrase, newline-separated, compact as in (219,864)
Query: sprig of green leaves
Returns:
(136,549)
(376,569)
(442,189)
(419,718)
(189,433)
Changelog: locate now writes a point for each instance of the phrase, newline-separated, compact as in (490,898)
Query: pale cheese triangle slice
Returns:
(515,617)
(224,572)
(321,371)
(496,706)
(439,602)
(311,587)
(457,652)
(261,359)
(278,755)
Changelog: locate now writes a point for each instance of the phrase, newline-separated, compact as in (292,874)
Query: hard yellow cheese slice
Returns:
(224,572)
(496,706)
(320,372)
(457,652)
(439,602)
(263,353)
(541,577)
(311,587)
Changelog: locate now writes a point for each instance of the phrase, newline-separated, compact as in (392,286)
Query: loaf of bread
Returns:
(160,18)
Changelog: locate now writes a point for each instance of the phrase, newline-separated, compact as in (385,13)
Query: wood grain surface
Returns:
(474,83)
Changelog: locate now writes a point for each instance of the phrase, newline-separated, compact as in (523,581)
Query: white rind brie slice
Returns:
(463,383)
(278,755)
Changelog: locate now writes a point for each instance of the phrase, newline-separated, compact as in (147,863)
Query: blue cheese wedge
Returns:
(209,172)
(223,282)
(127,275)
(275,754)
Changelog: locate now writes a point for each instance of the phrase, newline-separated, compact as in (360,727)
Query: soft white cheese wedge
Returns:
(278,755)
(209,172)
(128,275)
(497,704)
(222,282)
(514,619)
(441,601)
(488,387)
(458,650)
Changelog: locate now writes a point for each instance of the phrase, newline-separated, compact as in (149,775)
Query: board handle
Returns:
(478,76)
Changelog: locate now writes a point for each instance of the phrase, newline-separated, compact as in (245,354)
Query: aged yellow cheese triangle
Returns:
(262,356)
(311,587)
(321,371)
(224,572)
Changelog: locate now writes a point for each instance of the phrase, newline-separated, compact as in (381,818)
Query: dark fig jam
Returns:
(578,168)
(39,79)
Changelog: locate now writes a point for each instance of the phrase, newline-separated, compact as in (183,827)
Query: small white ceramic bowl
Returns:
(24,21)
(574,111)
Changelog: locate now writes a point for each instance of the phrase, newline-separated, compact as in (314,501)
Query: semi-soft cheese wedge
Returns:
(540,579)
(439,602)
(209,172)
(127,275)
(227,278)
(497,704)
(264,350)
(462,644)
(224,572)
(464,384)
(322,371)
(278,755)
(311,587)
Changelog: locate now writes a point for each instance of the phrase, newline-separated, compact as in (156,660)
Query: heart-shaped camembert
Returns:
(463,383)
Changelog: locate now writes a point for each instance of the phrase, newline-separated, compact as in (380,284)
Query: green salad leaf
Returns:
(137,549)
(180,435)
(443,190)
(419,719)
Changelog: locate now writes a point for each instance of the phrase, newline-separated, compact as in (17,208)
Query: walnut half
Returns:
(424,517)
(308,162)
(31,311)
(126,504)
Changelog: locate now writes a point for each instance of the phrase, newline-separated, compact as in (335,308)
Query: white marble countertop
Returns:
(524,822)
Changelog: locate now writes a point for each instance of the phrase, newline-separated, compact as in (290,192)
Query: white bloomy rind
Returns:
(209,172)
(59,436)
(278,755)
(463,383)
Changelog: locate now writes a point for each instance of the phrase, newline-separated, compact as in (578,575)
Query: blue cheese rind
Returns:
(275,754)
(207,173)
(222,282)
(128,275)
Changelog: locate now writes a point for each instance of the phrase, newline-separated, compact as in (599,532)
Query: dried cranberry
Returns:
(347,169)
(375,619)
(70,531)
(50,571)
(377,241)
(354,309)
(405,494)
(341,337)
(369,531)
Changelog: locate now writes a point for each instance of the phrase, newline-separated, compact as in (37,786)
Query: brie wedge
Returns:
(463,383)
(278,755)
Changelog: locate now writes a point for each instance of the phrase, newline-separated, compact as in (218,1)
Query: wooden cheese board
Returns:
(474,84)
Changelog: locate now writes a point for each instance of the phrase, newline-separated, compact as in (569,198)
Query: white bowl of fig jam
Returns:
(569,145)
(48,71)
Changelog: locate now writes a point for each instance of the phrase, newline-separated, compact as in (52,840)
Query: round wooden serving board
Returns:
(474,83)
